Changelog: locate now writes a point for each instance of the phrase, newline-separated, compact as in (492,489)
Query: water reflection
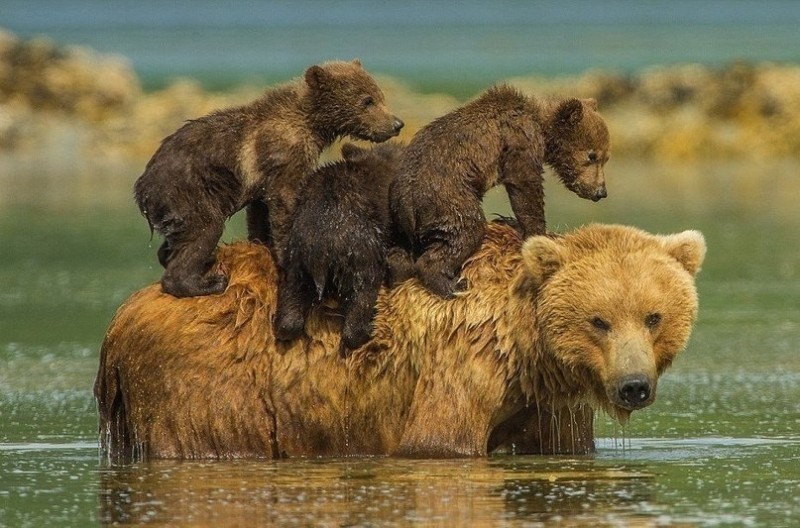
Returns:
(375,491)
(693,481)
(654,482)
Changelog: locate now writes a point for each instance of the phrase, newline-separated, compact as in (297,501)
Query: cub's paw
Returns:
(288,327)
(353,338)
(214,284)
(193,285)
(445,287)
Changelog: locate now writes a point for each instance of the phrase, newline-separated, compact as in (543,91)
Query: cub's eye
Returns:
(600,324)
(652,320)
(367,101)
(592,157)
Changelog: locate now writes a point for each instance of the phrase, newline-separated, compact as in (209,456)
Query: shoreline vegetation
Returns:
(78,105)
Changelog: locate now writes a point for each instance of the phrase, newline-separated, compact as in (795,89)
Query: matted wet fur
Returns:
(501,138)
(550,330)
(257,154)
(339,242)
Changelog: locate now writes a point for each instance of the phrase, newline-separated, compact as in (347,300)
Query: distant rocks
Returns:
(690,111)
(58,100)
(39,80)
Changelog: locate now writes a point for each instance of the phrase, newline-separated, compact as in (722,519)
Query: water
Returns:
(720,446)
(457,47)
(653,481)
(704,481)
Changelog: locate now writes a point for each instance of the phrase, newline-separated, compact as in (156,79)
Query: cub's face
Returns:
(578,148)
(349,101)
(588,167)
(616,308)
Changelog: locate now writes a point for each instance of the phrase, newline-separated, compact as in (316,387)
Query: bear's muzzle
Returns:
(632,381)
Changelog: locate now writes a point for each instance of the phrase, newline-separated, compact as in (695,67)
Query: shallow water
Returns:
(721,445)
(708,480)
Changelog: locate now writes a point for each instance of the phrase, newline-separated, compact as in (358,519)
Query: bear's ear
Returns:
(591,102)
(688,248)
(315,76)
(542,256)
(568,114)
(357,62)
(353,152)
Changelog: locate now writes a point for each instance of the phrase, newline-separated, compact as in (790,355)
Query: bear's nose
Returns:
(634,391)
(600,193)
(397,124)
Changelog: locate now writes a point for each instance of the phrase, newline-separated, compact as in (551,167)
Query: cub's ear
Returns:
(688,248)
(542,256)
(590,102)
(353,152)
(568,113)
(315,76)
(357,62)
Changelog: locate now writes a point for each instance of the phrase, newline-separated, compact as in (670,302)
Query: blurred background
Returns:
(703,103)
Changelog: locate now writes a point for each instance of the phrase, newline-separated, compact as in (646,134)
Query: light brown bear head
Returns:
(614,306)
(346,101)
(578,146)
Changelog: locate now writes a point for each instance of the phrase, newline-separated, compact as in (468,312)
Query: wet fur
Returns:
(501,138)
(338,243)
(205,377)
(215,165)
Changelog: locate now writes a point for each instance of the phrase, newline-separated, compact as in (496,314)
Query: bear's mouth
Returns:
(626,394)
(624,404)
(379,137)
(621,415)
(592,194)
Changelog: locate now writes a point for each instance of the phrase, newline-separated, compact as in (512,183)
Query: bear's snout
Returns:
(600,193)
(634,391)
(631,383)
(389,128)
(398,125)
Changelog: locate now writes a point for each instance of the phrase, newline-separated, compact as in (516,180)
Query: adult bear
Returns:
(550,330)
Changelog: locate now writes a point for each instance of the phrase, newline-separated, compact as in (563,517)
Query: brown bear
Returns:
(550,329)
(214,166)
(338,243)
(502,137)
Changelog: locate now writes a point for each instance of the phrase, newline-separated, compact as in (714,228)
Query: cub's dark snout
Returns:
(600,193)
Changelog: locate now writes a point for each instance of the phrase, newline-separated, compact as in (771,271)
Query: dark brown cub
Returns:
(216,165)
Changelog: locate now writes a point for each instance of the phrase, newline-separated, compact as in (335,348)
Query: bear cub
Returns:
(502,137)
(214,166)
(339,242)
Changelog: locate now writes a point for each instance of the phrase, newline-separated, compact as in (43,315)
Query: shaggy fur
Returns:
(500,138)
(519,359)
(253,154)
(338,243)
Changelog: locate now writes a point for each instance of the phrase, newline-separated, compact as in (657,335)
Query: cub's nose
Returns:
(397,125)
(600,194)
(634,391)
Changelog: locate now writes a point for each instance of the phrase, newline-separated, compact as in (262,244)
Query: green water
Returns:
(721,445)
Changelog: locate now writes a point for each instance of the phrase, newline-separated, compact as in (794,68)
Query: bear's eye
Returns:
(652,320)
(592,157)
(600,324)
(367,101)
